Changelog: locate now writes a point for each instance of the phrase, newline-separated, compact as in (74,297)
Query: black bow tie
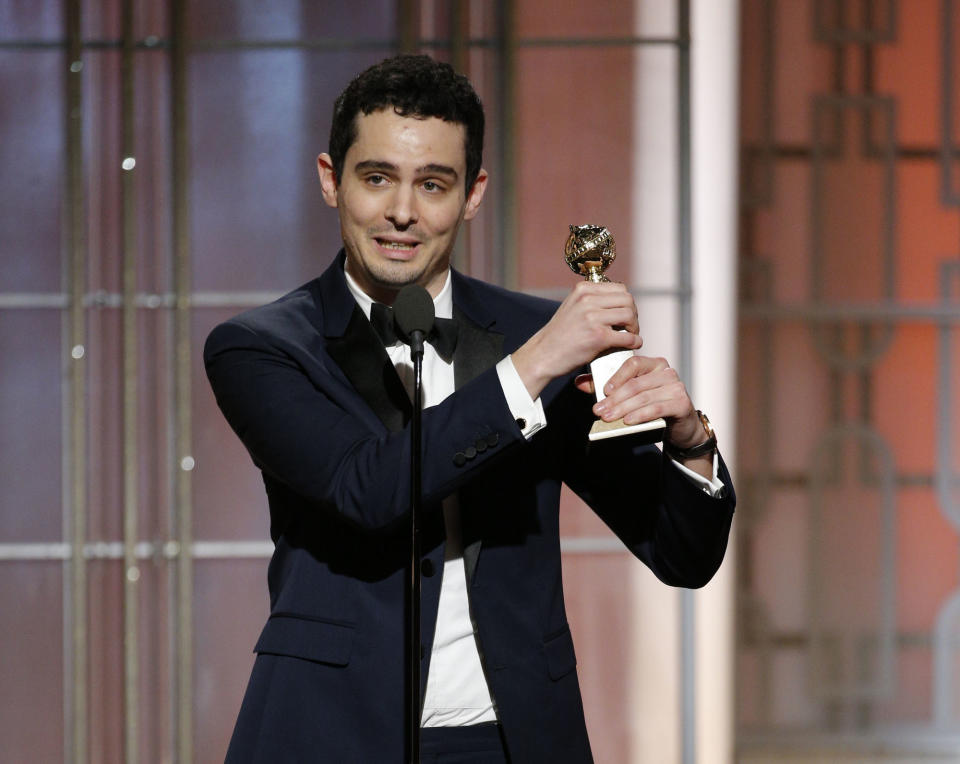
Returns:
(443,335)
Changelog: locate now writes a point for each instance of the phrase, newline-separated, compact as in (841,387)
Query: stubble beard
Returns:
(380,278)
(391,276)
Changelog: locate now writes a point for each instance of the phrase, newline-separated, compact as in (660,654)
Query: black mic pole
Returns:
(414,313)
(413,655)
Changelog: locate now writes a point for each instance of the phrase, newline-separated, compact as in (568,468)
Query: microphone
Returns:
(413,312)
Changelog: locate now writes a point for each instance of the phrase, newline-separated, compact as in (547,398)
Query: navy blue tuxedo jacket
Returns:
(310,391)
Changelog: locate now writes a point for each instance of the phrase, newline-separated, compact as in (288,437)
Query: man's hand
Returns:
(599,317)
(581,329)
(646,388)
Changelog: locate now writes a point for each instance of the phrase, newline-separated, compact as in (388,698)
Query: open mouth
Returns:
(398,247)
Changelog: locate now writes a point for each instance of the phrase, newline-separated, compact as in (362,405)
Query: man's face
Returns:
(401,200)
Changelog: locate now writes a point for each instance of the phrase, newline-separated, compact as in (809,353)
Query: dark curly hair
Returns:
(413,86)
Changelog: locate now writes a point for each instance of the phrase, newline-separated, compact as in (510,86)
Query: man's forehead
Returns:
(385,127)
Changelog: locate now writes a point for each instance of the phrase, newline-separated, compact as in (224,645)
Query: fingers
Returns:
(606,304)
(605,288)
(643,389)
(584,326)
(634,368)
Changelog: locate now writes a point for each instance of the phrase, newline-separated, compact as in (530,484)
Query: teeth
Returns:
(396,245)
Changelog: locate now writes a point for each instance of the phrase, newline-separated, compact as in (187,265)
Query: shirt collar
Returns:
(442,303)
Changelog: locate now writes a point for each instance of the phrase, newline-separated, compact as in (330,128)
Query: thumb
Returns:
(584,383)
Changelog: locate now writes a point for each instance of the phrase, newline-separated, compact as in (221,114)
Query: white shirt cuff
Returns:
(714,487)
(527,413)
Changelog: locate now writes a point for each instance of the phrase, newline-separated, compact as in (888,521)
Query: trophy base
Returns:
(602,369)
(602,430)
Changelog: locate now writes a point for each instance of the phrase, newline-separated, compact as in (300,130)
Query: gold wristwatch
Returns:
(708,446)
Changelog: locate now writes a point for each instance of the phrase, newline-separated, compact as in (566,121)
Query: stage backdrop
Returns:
(158,177)
(848,599)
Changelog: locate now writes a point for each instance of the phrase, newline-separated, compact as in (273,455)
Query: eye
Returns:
(432,186)
(376,180)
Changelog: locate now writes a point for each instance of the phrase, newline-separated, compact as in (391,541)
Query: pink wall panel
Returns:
(31,725)
(841,368)
(907,377)
(597,595)
(30,425)
(231,606)
(31,192)
(928,234)
(540,18)
(572,167)
(910,70)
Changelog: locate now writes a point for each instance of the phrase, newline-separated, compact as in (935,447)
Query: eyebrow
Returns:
(438,169)
(427,169)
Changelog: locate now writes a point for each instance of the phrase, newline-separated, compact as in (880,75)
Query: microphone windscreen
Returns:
(413,310)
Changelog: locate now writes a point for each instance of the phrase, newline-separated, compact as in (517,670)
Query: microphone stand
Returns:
(414,314)
(414,594)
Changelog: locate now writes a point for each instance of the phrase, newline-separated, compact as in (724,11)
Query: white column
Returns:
(654,251)
(715,71)
(654,662)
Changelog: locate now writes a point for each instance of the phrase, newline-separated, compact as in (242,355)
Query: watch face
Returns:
(706,424)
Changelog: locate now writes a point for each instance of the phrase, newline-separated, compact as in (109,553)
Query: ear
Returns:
(476,195)
(328,179)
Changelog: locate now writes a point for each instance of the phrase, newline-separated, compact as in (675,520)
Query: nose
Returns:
(402,209)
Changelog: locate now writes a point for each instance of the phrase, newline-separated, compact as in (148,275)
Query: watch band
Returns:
(708,446)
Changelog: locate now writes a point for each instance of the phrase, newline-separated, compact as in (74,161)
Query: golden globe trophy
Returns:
(589,251)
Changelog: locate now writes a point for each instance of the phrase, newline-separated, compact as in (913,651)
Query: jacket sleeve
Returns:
(667,521)
(311,432)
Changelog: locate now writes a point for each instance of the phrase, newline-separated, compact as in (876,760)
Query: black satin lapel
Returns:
(477,350)
(471,553)
(364,360)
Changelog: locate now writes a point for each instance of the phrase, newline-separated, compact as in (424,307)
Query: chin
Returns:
(398,273)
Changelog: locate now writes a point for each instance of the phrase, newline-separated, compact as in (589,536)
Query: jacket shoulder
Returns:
(298,311)
(487,303)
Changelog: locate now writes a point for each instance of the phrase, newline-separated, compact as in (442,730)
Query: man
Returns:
(315,394)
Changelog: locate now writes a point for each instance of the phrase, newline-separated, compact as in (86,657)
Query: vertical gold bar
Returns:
(130,532)
(460,35)
(409,23)
(76,277)
(508,169)
(460,60)
(688,667)
(182,397)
